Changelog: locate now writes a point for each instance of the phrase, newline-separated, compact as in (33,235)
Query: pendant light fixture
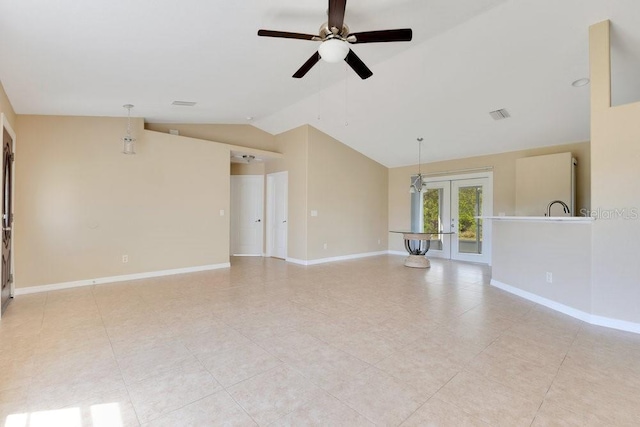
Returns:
(128,140)
(418,182)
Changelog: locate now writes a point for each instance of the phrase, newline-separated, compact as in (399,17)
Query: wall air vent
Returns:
(184,103)
(500,114)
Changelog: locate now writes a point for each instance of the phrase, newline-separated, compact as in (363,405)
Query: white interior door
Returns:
(277,214)
(247,205)
(470,199)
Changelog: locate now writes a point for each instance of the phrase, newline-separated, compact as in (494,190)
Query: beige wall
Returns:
(523,252)
(6,108)
(256,168)
(615,150)
(243,135)
(349,192)
(504,182)
(81,204)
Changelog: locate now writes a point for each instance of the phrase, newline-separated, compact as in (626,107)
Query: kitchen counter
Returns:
(572,219)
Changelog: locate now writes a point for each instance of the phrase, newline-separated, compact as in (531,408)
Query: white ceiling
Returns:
(468,57)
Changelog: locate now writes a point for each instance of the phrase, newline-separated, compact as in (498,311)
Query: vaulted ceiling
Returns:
(467,58)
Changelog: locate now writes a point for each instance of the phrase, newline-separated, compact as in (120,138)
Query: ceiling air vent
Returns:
(500,114)
(184,103)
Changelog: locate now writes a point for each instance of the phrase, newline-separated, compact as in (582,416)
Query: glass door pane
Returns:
(467,205)
(469,226)
(435,216)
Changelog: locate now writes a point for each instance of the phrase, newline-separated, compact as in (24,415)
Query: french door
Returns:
(454,207)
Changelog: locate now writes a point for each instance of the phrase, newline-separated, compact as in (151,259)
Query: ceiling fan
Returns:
(336,38)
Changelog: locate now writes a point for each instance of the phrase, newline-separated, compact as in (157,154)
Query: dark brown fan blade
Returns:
(358,66)
(336,13)
(307,66)
(285,35)
(402,35)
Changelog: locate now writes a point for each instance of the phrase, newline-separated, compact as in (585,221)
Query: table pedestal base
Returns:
(417,261)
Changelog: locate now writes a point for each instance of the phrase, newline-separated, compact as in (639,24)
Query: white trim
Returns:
(592,319)
(334,259)
(608,322)
(114,279)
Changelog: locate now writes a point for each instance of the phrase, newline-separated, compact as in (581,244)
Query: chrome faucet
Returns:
(564,206)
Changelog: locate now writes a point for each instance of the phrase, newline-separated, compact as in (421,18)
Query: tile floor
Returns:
(353,343)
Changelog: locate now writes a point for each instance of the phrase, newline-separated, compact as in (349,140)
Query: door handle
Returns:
(258,220)
(284,221)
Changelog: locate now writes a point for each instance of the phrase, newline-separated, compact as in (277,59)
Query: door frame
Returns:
(486,225)
(257,178)
(271,204)
(4,124)
(487,210)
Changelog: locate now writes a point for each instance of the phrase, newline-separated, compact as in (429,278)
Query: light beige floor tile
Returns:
(85,366)
(171,390)
(533,351)
(436,413)
(445,352)
(551,415)
(324,410)
(219,339)
(364,345)
(490,401)
(328,366)
(291,345)
(71,393)
(231,367)
(153,361)
(437,322)
(112,408)
(576,393)
(419,373)
(527,378)
(270,395)
(13,402)
(218,409)
(378,396)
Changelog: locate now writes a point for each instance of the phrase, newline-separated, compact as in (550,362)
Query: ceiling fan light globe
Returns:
(333,50)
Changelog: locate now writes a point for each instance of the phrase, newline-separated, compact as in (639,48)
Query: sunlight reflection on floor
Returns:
(103,415)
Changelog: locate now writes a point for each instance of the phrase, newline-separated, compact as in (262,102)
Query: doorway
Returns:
(277,214)
(247,205)
(456,205)
(8,144)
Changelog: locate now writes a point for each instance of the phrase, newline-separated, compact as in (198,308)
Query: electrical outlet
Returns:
(549,277)
(125,259)
(379,241)
(325,246)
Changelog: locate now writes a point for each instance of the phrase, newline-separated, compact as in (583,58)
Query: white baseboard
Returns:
(334,259)
(592,319)
(114,279)
(403,253)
